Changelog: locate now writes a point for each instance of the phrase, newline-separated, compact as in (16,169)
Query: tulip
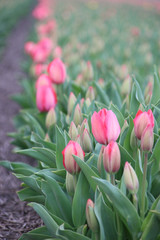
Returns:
(90,93)
(83,126)
(105,126)
(46,98)
(39,69)
(57,71)
(100,159)
(77,117)
(71,102)
(50,118)
(130,178)
(70,184)
(43,80)
(72,148)
(29,47)
(141,120)
(111,157)
(86,141)
(73,132)
(147,139)
(91,217)
(57,52)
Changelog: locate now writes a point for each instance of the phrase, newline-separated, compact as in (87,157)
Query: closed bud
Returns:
(126,85)
(130,178)
(70,184)
(77,118)
(147,139)
(91,217)
(71,102)
(72,148)
(133,140)
(88,102)
(47,138)
(73,132)
(100,159)
(82,102)
(90,93)
(50,118)
(87,70)
(111,157)
(86,141)
(84,125)
(78,140)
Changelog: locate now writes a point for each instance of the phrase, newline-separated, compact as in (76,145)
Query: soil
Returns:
(15,216)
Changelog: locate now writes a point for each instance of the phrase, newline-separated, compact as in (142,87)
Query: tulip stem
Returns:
(144,185)
(135,201)
(96,236)
(112,178)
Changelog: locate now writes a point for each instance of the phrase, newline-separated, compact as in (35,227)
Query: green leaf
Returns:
(156,89)
(50,224)
(48,154)
(37,139)
(70,234)
(79,201)
(134,103)
(127,214)
(155,159)
(57,201)
(88,172)
(60,141)
(150,227)
(29,195)
(118,114)
(106,219)
(36,234)
(101,93)
(139,94)
(18,165)
(125,156)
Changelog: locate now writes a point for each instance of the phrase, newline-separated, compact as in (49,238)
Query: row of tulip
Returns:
(96,142)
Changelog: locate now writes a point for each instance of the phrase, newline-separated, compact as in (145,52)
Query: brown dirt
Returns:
(15,216)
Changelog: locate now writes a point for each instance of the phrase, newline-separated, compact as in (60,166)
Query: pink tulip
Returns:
(46,98)
(141,120)
(111,157)
(147,139)
(130,178)
(57,52)
(29,47)
(57,71)
(43,80)
(105,126)
(72,148)
(39,68)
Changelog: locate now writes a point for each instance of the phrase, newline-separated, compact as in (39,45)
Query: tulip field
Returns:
(90,121)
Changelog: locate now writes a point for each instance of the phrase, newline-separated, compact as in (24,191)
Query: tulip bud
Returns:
(111,157)
(147,139)
(88,102)
(126,86)
(100,159)
(77,118)
(141,120)
(133,140)
(71,102)
(57,71)
(130,178)
(50,118)
(78,140)
(91,217)
(82,102)
(70,184)
(47,138)
(90,93)
(148,91)
(86,141)
(83,126)
(72,148)
(73,132)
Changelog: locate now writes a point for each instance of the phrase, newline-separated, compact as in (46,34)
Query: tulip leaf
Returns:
(48,154)
(88,172)
(36,234)
(118,114)
(106,219)
(79,202)
(101,94)
(70,234)
(156,89)
(30,195)
(150,227)
(57,201)
(122,205)
(134,103)
(37,139)
(125,156)
(155,159)
(50,224)
(60,145)
(139,94)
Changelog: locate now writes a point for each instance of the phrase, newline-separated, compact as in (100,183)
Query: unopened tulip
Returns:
(111,157)
(100,159)
(70,184)
(105,126)
(72,148)
(130,178)
(43,80)
(141,120)
(45,98)
(90,93)
(86,141)
(91,217)
(147,139)
(50,118)
(39,69)
(126,85)
(57,71)
(83,126)
(77,117)
(133,140)
(71,102)
(57,52)
(88,102)
(73,132)
(29,47)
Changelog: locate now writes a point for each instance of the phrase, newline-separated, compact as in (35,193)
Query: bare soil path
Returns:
(15,216)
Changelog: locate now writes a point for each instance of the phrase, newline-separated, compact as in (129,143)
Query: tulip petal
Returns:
(98,129)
